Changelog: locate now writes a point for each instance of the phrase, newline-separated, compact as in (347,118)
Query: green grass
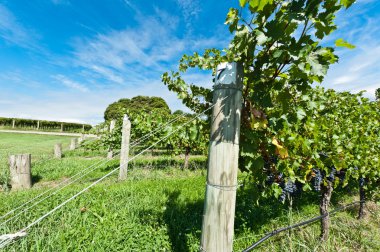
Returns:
(40,146)
(160,209)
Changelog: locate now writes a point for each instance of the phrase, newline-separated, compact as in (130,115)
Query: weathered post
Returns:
(73,144)
(38,125)
(110,151)
(58,150)
(61,127)
(13,123)
(124,153)
(219,206)
(81,139)
(20,172)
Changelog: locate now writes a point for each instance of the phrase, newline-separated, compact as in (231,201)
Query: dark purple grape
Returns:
(270,178)
(288,188)
(317,180)
(361,182)
(331,177)
(341,175)
(282,197)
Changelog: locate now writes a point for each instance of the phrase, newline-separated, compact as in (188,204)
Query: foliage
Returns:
(290,130)
(377,94)
(186,133)
(279,46)
(138,104)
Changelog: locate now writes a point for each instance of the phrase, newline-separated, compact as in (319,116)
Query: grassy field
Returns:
(40,146)
(160,209)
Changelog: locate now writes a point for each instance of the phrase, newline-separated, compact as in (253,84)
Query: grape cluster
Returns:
(317,179)
(289,188)
(270,178)
(331,177)
(341,175)
(361,182)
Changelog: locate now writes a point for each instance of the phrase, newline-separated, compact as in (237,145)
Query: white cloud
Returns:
(20,79)
(146,46)
(190,10)
(134,56)
(358,69)
(89,107)
(70,83)
(108,73)
(115,64)
(11,30)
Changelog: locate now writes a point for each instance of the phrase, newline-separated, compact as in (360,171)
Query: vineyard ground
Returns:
(160,209)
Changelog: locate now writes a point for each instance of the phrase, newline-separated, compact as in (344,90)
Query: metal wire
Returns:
(133,144)
(110,173)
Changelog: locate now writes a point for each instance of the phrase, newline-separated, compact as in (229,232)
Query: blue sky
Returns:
(67,60)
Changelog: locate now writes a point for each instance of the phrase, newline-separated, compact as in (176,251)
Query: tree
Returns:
(279,46)
(377,94)
(138,104)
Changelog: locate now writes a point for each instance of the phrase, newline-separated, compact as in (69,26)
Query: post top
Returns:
(229,73)
(125,118)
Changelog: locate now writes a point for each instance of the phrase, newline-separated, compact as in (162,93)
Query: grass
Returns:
(40,146)
(161,210)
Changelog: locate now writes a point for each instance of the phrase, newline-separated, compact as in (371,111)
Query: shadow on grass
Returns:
(36,178)
(183,219)
(253,216)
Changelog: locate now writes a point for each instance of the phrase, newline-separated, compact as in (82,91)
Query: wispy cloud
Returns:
(70,83)
(108,74)
(358,69)
(151,48)
(107,65)
(68,105)
(13,31)
(190,10)
(20,79)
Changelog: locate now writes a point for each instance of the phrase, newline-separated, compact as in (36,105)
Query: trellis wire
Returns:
(58,190)
(105,176)
(135,143)
(109,174)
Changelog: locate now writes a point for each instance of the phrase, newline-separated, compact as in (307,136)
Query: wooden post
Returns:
(73,144)
(110,151)
(219,206)
(20,172)
(124,153)
(81,139)
(83,128)
(38,125)
(58,150)
(13,123)
(61,127)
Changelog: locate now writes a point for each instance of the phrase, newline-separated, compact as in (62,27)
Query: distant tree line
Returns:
(20,123)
